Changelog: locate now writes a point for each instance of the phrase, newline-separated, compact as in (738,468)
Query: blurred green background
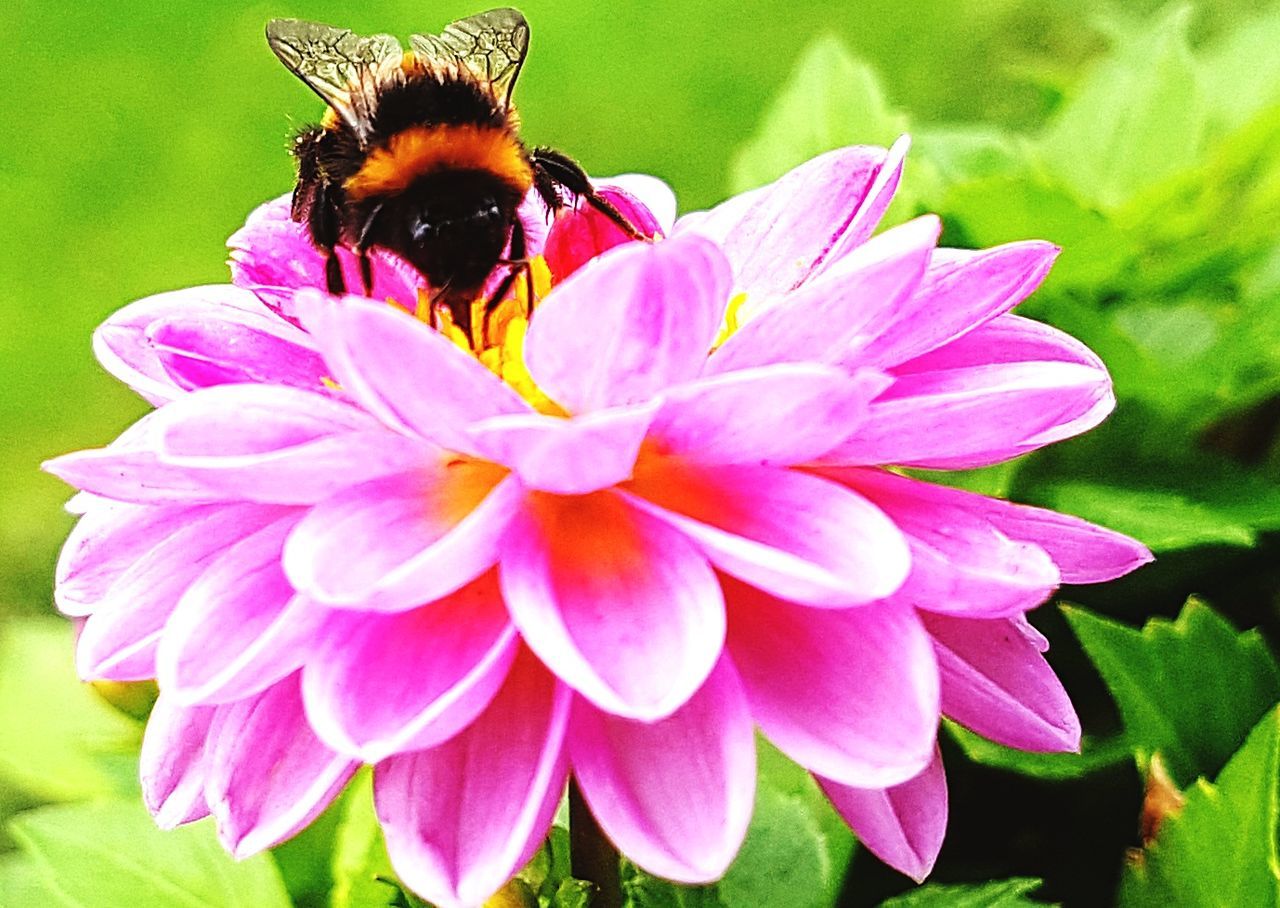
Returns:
(1143,136)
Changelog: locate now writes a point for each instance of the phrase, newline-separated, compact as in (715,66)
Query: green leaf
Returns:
(22,882)
(573,894)
(639,890)
(360,862)
(1003,894)
(1242,70)
(831,99)
(1140,116)
(796,852)
(110,854)
(1190,689)
(57,736)
(1164,521)
(1018,206)
(797,847)
(1094,755)
(1221,848)
(306,860)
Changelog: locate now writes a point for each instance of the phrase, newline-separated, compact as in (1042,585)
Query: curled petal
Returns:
(277,444)
(1083,552)
(781,414)
(273,256)
(961,562)
(377,685)
(834,315)
(235,348)
(902,825)
(640,318)
(780,235)
(124,348)
(239,627)
(119,640)
(398,542)
(412,378)
(462,818)
(962,290)
(582,232)
(850,694)
(269,775)
(796,535)
(996,682)
(674,795)
(653,193)
(618,604)
(173,763)
(105,542)
(1002,390)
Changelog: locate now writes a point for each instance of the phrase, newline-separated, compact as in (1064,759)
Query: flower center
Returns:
(497,336)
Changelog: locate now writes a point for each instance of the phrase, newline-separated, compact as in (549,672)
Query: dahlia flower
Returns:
(611,538)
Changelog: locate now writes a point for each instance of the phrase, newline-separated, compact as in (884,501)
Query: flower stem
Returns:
(591,855)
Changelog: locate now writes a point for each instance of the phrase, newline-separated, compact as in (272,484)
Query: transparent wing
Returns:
(343,68)
(491,45)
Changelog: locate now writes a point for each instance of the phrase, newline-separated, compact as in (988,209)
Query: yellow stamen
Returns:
(732,319)
(497,339)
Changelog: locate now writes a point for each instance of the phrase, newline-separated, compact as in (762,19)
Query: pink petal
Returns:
(398,542)
(462,818)
(616,603)
(377,685)
(962,290)
(838,312)
(782,414)
(408,375)
(269,775)
(850,694)
(119,640)
(278,444)
(238,628)
(582,232)
(105,542)
(1002,390)
(653,193)
(566,456)
(674,795)
(777,236)
(1082,551)
(273,256)
(796,535)
(961,562)
(903,825)
(128,470)
(122,346)
(173,764)
(642,317)
(235,348)
(995,681)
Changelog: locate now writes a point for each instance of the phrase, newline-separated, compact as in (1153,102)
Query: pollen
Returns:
(497,340)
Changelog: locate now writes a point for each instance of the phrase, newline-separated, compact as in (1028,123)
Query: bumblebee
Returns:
(419,153)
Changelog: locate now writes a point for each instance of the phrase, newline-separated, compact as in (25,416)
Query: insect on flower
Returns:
(420,154)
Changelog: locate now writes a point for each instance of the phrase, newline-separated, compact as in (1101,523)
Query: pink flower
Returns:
(344,539)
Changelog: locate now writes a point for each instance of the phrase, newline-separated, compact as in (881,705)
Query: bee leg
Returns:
(563,170)
(322,219)
(362,249)
(516,263)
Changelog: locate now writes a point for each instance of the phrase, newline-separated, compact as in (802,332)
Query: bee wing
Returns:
(491,45)
(343,68)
